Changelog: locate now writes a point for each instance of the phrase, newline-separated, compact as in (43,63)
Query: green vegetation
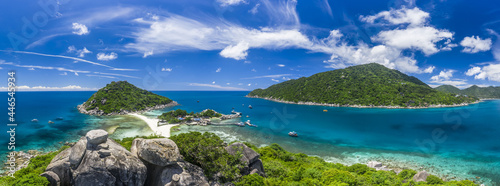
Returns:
(31,174)
(173,115)
(122,95)
(207,151)
(474,90)
(370,84)
(127,142)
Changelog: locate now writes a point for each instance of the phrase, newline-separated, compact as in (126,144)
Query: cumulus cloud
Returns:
(490,72)
(237,52)
(255,9)
(80,29)
(147,53)
(107,57)
(218,69)
(230,2)
(79,52)
(474,44)
(280,65)
(268,76)
(417,38)
(443,75)
(429,69)
(166,69)
(413,17)
(275,80)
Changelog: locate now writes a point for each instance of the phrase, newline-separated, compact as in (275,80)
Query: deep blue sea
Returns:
(453,143)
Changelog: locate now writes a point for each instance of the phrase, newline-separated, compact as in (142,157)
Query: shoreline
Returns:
(361,106)
(163,130)
(96,112)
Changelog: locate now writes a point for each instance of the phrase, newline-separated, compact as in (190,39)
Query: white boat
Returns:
(293,134)
(50,122)
(241,124)
(34,120)
(250,106)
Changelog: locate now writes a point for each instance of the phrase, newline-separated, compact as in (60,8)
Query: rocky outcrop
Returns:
(250,158)
(96,160)
(377,166)
(420,176)
(164,164)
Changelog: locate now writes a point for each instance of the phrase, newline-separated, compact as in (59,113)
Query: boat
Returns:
(250,106)
(34,120)
(293,134)
(248,116)
(248,122)
(198,101)
(50,122)
(59,118)
(241,124)
(325,110)
(233,112)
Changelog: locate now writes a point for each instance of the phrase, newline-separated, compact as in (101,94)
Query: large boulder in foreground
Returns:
(249,157)
(96,160)
(164,164)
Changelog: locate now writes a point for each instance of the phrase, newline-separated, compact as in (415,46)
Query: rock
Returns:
(77,152)
(160,152)
(420,176)
(249,155)
(52,177)
(178,173)
(374,164)
(60,165)
(96,137)
(104,162)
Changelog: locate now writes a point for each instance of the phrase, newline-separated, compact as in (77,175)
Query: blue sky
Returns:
(244,44)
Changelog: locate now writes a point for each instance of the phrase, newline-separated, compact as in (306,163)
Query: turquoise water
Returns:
(454,143)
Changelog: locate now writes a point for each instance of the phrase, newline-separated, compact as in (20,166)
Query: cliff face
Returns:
(97,160)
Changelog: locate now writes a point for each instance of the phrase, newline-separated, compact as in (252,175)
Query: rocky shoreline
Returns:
(359,106)
(83,109)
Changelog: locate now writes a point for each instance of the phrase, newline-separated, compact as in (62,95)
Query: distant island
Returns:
(490,92)
(369,85)
(118,98)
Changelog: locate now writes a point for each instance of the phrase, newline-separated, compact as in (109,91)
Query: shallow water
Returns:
(457,142)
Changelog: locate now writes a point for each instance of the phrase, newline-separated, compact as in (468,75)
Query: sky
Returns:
(243,44)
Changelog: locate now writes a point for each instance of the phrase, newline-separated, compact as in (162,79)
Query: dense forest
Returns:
(122,95)
(368,85)
(474,90)
(173,115)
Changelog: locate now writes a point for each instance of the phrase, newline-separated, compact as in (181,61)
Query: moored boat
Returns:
(34,120)
(241,124)
(293,134)
(50,122)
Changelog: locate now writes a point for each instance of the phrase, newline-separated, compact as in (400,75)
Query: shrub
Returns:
(251,180)
(407,174)
(431,179)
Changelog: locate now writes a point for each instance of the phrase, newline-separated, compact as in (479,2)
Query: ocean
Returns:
(453,143)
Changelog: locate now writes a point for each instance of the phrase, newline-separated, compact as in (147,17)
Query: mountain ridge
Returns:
(490,92)
(369,85)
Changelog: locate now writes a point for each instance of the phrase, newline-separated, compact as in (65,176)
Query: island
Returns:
(490,92)
(119,98)
(369,85)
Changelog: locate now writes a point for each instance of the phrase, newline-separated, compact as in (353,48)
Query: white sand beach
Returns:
(153,124)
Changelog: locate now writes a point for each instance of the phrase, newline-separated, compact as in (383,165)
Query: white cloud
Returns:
(147,53)
(80,29)
(429,69)
(230,2)
(443,75)
(247,62)
(255,9)
(80,52)
(107,57)
(253,70)
(275,80)
(64,74)
(45,88)
(166,69)
(249,84)
(416,38)
(413,17)
(215,86)
(280,65)
(490,72)
(474,44)
(218,69)
(213,82)
(237,52)
(31,69)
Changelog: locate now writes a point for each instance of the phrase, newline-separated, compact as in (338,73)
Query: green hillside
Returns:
(370,84)
(476,91)
(121,96)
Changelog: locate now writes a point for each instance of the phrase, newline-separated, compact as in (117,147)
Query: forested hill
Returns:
(366,85)
(476,91)
(120,98)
